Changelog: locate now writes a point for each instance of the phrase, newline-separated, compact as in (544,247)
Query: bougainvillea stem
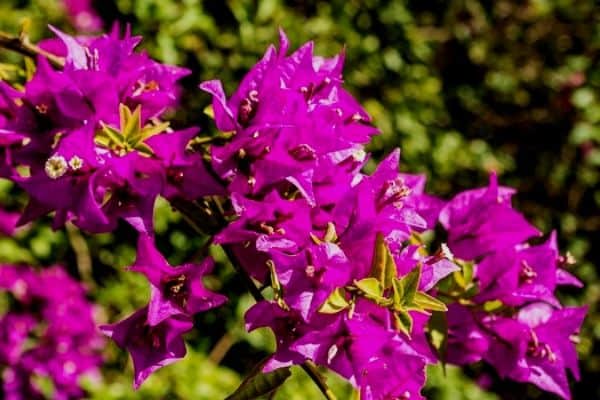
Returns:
(311,370)
(254,291)
(21,45)
(202,219)
(82,254)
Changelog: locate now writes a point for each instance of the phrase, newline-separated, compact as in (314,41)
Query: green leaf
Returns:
(468,271)
(330,233)
(371,287)
(403,322)
(384,267)
(273,274)
(45,385)
(464,277)
(131,122)
(209,110)
(410,284)
(437,333)
(153,129)
(471,291)
(9,72)
(109,135)
(144,149)
(131,135)
(416,239)
(379,259)
(277,289)
(493,305)
(102,139)
(398,294)
(29,68)
(258,384)
(24,171)
(427,302)
(335,303)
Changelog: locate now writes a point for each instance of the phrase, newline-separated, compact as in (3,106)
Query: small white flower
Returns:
(56,166)
(359,155)
(75,163)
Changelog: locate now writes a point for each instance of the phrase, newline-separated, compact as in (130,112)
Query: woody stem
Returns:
(21,45)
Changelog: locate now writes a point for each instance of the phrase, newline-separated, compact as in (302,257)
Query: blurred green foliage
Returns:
(463,87)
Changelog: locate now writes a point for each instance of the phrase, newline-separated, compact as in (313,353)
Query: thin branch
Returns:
(254,291)
(82,254)
(21,45)
(311,370)
(221,348)
(201,217)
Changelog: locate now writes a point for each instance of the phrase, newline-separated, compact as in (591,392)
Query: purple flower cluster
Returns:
(292,123)
(350,291)
(49,332)
(86,142)
(514,322)
(153,334)
(353,284)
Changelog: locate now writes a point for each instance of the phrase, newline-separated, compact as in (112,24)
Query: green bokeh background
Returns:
(463,87)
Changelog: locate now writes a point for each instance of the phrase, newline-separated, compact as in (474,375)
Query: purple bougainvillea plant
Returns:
(355,286)
(49,332)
